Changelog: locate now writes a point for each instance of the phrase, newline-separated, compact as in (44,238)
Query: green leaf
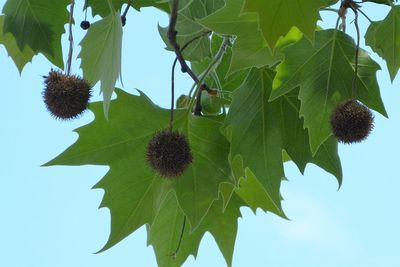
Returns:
(384,38)
(101,55)
(277,17)
(250,48)
(259,131)
(165,232)
(37,24)
(20,57)
(102,8)
(324,71)
(133,192)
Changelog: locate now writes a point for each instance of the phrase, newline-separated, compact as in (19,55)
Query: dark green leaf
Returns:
(20,57)
(133,193)
(38,25)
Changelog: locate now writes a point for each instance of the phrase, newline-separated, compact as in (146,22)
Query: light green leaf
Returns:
(101,55)
(324,71)
(133,192)
(37,24)
(20,57)
(384,38)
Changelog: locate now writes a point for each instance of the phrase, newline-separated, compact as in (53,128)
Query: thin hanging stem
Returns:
(127,8)
(365,15)
(180,238)
(172,37)
(86,7)
(171,120)
(123,17)
(70,38)
(357,53)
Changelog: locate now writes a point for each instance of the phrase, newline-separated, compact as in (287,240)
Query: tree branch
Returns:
(70,38)
(171,34)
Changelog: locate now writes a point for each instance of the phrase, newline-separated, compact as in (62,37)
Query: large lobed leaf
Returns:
(324,72)
(133,192)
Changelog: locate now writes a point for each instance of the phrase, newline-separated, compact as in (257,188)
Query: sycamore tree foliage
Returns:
(266,81)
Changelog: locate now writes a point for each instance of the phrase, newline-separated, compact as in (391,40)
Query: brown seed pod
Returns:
(351,122)
(169,154)
(66,96)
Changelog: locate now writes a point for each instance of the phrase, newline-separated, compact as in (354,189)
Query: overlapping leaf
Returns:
(20,57)
(133,193)
(102,8)
(277,17)
(260,130)
(250,48)
(37,25)
(101,55)
(165,232)
(324,71)
(384,38)
(188,27)
(218,78)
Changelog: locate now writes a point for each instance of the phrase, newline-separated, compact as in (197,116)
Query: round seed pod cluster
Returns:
(66,96)
(169,154)
(351,122)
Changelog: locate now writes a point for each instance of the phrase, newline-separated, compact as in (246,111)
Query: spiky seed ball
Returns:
(169,154)
(85,24)
(351,122)
(66,96)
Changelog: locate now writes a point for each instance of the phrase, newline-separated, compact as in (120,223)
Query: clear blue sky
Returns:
(49,216)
